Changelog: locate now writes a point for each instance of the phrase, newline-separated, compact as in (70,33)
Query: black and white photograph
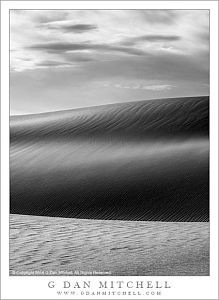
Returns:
(109,142)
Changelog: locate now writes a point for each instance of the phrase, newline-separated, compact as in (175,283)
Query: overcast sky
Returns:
(65,59)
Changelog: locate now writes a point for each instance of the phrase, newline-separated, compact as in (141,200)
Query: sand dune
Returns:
(113,247)
(144,160)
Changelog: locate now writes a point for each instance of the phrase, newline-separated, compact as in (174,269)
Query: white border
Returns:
(183,287)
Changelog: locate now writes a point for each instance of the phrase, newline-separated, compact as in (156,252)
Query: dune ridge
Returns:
(145,160)
(152,118)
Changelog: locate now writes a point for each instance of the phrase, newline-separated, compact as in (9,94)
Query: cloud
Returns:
(120,32)
(81,59)
(205,37)
(62,47)
(69,47)
(70,61)
(49,63)
(57,55)
(46,16)
(139,85)
(73,28)
(163,16)
(152,38)
(158,87)
(158,66)
(158,38)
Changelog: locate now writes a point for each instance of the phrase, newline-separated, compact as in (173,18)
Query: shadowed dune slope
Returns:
(145,160)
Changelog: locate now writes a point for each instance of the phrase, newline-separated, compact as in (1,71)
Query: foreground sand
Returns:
(108,247)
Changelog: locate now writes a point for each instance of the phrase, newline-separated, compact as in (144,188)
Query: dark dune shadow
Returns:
(145,160)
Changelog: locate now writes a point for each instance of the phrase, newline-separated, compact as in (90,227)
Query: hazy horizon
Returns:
(67,59)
